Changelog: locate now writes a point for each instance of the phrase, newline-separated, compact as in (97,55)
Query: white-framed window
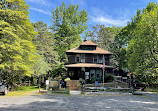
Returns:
(95,58)
(100,57)
(82,57)
(106,60)
(77,58)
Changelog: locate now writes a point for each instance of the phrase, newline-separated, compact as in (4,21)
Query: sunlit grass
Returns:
(23,91)
(151,90)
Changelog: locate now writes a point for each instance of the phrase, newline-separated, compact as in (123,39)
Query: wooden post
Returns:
(29,82)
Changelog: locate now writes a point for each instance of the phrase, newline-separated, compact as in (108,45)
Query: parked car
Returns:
(3,87)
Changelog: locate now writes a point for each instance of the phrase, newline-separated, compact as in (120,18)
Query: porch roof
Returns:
(87,65)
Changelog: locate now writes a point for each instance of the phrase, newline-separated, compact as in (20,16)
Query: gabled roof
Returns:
(97,51)
(87,65)
(88,43)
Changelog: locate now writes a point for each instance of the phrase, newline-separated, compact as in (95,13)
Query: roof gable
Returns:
(97,51)
(89,43)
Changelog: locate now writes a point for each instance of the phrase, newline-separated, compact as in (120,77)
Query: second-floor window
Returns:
(82,57)
(78,58)
(95,58)
(100,58)
(106,60)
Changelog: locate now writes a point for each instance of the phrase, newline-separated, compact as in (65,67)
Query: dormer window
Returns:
(77,58)
(86,47)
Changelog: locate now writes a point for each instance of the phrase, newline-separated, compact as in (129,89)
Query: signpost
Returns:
(47,84)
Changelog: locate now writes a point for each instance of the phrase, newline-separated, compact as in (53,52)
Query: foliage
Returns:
(102,35)
(45,43)
(93,79)
(143,46)
(16,32)
(68,23)
(107,38)
(108,78)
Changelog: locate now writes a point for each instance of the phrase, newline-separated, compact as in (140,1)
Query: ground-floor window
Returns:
(96,73)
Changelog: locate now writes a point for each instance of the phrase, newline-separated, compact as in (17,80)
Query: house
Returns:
(86,61)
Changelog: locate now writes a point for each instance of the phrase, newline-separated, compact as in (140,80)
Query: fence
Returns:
(73,84)
(152,86)
(112,84)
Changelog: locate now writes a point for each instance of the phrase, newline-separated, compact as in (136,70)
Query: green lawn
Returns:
(23,91)
(151,90)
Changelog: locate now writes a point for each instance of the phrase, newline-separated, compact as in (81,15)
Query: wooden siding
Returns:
(71,59)
(89,58)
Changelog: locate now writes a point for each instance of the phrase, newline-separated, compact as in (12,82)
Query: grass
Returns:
(61,91)
(151,90)
(23,91)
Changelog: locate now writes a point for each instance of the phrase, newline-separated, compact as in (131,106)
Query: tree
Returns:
(68,23)
(102,35)
(45,44)
(139,39)
(143,48)
(107,38)
(16,32)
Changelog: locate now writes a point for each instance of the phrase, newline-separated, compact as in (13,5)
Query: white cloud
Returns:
(108,21)
(41,11)
(42,2)
(99,16)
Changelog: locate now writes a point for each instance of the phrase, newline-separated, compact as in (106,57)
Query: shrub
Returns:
(93,80)
(108,78)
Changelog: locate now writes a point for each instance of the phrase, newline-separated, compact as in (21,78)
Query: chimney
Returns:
(84,40)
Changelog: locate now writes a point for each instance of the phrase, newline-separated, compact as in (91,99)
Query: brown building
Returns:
(86,61)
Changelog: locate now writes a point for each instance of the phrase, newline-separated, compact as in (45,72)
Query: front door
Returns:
(92,73)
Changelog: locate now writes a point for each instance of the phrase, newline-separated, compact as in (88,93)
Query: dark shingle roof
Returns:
(97,51)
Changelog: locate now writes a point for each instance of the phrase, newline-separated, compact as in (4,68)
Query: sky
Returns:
(103,12)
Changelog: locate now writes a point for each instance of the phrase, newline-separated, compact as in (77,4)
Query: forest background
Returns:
(37,50)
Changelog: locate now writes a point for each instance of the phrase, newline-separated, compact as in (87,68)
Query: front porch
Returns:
(89,74)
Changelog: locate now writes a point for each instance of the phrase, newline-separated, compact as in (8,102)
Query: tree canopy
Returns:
(16,33)
(68,23)
(45,43)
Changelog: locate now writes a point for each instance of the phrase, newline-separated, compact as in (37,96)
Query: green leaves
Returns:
(45,43)
(17,52)
(142,47)
(68,23)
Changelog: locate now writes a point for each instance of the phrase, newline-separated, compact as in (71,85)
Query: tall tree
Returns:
(139,38)
(45,44)
(107,38)
(16,47)
(68,23)
(143,48)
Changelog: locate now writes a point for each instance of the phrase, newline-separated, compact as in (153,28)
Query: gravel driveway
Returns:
(147,102)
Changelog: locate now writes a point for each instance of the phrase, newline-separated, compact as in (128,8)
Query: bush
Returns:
(108,78)
(93,80)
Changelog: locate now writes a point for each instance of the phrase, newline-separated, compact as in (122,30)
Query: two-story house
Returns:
(86,61)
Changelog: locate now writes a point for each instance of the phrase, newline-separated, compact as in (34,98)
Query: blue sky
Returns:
(107,12)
